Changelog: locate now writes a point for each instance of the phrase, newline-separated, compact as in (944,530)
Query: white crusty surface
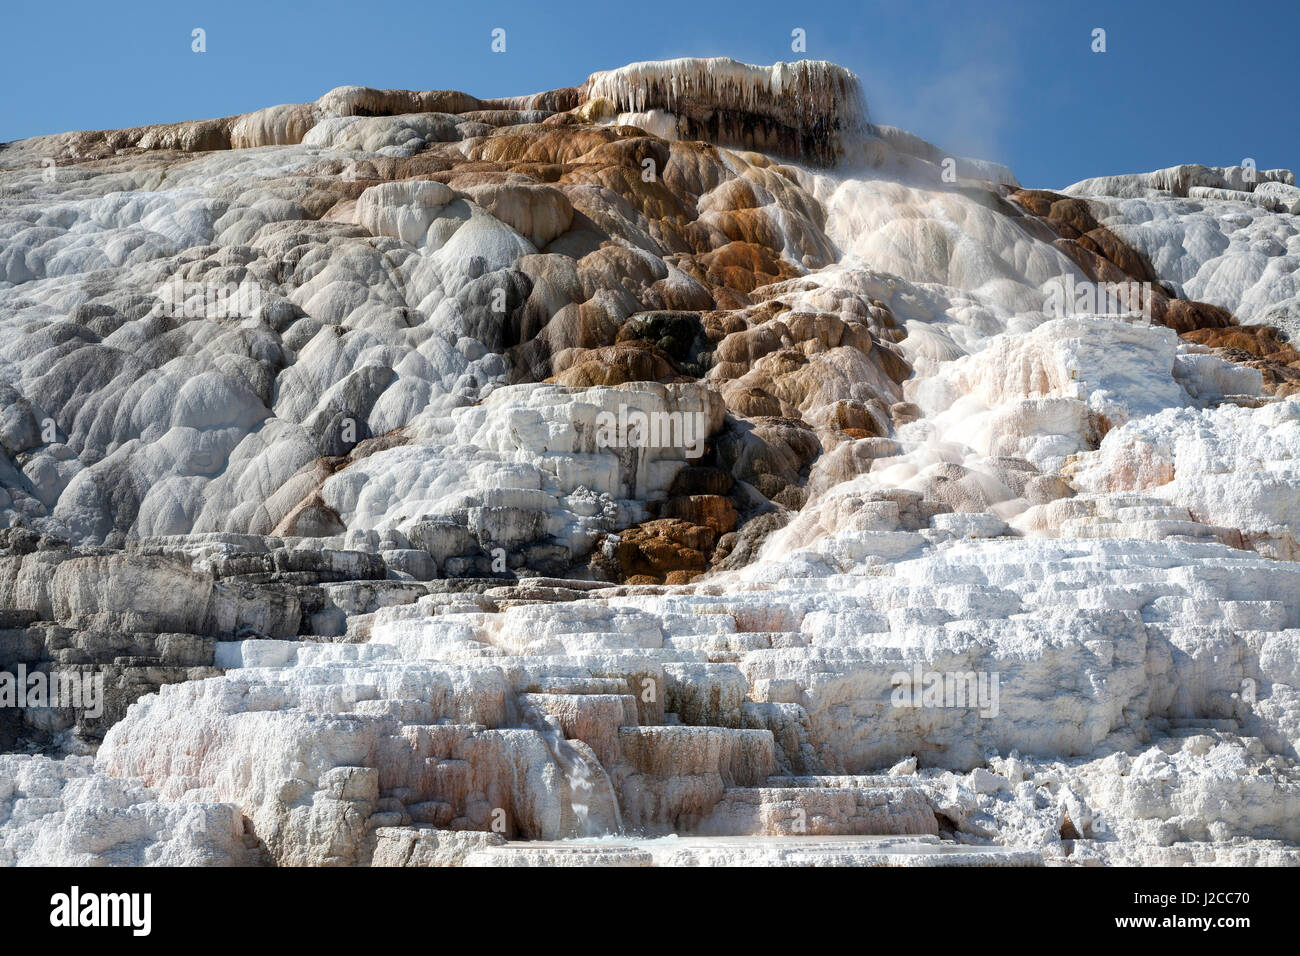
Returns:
(1098,515)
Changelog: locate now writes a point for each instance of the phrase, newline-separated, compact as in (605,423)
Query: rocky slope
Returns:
(677,469)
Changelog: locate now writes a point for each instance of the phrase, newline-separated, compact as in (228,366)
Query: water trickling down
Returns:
(582,773)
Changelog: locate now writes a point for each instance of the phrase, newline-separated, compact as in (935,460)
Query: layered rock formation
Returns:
(441,481)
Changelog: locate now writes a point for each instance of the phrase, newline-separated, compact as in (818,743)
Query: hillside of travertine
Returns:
(678,468)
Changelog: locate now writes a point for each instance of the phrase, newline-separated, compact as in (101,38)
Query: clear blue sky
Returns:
(1017,82)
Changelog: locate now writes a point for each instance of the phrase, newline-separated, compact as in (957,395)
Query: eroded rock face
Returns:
(420,480)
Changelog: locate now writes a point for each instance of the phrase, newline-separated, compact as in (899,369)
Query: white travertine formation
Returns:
(1096,645)
(316,439)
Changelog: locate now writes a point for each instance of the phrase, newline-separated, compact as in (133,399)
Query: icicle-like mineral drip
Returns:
(804,109)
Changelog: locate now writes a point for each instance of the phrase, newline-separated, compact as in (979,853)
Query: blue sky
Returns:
(1016,82)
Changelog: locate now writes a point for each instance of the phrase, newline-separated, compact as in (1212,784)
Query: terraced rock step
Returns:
(754,851)
(858,781)
(821,811)
(677,456)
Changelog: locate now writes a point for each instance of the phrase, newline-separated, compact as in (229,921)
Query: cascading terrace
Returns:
(387,560)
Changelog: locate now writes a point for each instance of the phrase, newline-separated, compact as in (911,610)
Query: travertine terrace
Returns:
(681,468)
